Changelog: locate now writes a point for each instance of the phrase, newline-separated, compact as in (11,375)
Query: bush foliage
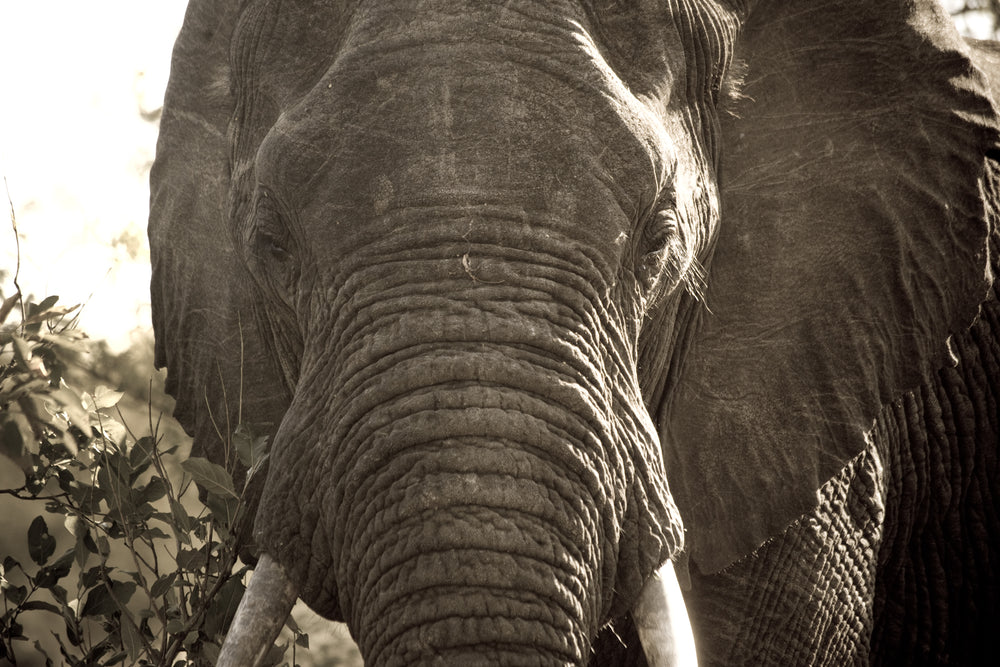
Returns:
(151,573)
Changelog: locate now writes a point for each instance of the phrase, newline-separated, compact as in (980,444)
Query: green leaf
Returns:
(58,593)
(111,429)
(115,658)
(22,353)
(87,498)
(153,491)
(162,585)
(103,546)
(75,525)
(44,314)
(210,652)
(67,483)
(15,594)
(293,625)
(122,591)
(85,546)
(8,305)
(141,454)
(82,547)
(131,640)
(105,398)
(175,626)
(15,630)
(223,511)
(212,478)
(302,639)
(72,405)
(46,303)
(50,574)
(40,605)
(250,447)
(71,627)
(181,522)
(12,444)
(223,608)
(191,560)
(101,602)
(91,577)
(274,655)
(96,653)
(41,545)
(112,478)
(155,533)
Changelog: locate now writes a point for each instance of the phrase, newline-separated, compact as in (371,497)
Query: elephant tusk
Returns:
(265,606)
(662,621)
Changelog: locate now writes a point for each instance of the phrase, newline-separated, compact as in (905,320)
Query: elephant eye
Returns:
(661,230)
(659,255)
(270,237)
(275,247)
(272,248)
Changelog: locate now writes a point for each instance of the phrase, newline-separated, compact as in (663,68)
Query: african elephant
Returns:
(540,297)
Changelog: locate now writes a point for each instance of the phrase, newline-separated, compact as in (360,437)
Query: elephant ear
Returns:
(853,243)
(201,304)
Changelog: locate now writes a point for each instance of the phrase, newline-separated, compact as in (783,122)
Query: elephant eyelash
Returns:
(273,249)
(666,261)
(275,246)
(660,230)
(270,235)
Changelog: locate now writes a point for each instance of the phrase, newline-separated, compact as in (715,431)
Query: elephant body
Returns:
(897,564)
(538,298)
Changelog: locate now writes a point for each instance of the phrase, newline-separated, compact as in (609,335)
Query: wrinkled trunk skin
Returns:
(471,489)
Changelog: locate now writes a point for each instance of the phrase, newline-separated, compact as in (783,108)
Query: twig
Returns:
(17,243)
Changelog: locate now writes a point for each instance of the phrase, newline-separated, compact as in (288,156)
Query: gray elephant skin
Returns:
(537,297)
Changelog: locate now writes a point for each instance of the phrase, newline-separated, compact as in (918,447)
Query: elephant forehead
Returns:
(539,114)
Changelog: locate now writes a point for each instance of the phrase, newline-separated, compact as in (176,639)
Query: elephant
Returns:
(583,325)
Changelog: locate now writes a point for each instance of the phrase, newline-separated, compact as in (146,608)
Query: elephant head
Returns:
(468,259)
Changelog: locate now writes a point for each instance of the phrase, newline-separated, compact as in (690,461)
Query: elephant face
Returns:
(454,220)
(454,252)
(455,280)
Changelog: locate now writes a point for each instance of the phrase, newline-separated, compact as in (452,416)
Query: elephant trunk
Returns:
(465,546)
(468,470)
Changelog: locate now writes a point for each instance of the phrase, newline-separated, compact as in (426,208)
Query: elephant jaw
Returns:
(660,617)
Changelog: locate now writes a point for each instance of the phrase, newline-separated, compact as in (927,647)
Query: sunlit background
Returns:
(81,84)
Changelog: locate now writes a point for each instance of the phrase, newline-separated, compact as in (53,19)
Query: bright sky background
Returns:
(75,150)
(74,77)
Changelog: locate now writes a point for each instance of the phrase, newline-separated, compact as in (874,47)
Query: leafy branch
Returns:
(151,575)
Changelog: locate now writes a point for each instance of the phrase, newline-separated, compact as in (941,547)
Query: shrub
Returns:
(152,575)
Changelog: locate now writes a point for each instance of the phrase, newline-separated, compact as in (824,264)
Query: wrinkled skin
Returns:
(535,297)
